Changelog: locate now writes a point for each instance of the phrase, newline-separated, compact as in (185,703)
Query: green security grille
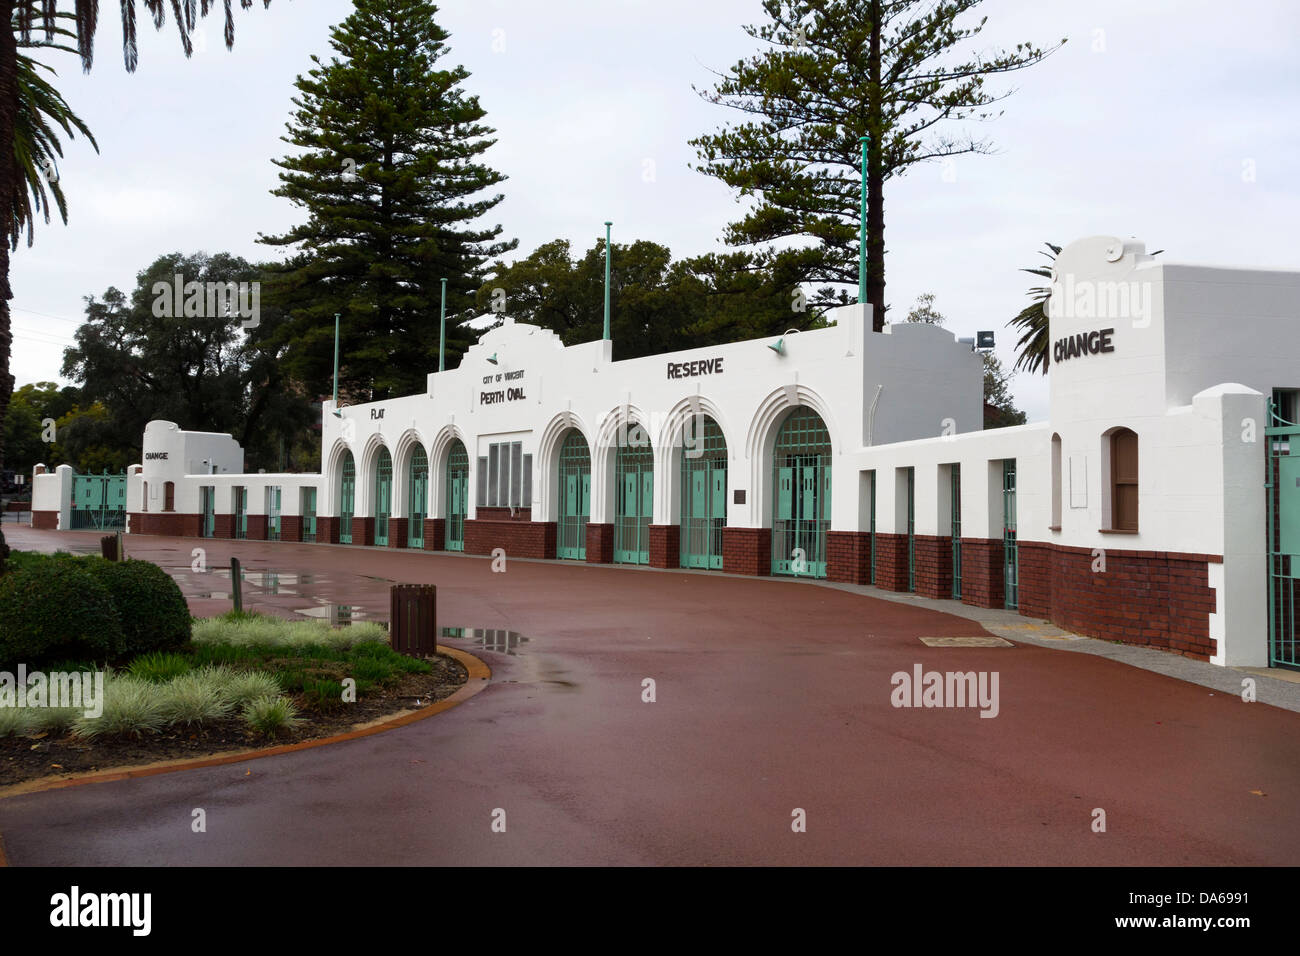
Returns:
(634,466)
(1283,491)
(273,523)
(956,532)
(1010,554)
(98,502)
(801,505)
(457,496)
(873,527)
(417,504)
(575,497)
(911,529)
(309,514)
(704,494)
(383,496)
(208,509)
(347,498)
(241,511)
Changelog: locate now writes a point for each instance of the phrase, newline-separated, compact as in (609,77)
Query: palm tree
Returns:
(27,198)
(1032,320)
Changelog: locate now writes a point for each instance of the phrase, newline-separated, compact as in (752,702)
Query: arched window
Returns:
(145,486)
(1124,480)
(169,496)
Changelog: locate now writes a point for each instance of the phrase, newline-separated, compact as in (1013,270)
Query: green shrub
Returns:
(150,604)
(270,716)
(256,629)
(322,695)
(16,720)
(159,667)
(251,685)
(53,608)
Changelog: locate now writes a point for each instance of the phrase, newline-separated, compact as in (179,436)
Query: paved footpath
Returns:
(771,696)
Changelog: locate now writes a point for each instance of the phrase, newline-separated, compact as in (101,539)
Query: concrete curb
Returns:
(479,675)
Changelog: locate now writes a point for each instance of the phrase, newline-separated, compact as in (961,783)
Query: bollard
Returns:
(108,547)
(413,620)
(236,585)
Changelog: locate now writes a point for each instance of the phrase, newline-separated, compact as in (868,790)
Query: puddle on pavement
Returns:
(503,642)
(338,615)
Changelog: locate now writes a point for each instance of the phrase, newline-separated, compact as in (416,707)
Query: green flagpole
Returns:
(608,255)
(336,363)
(442,328)
(862,229)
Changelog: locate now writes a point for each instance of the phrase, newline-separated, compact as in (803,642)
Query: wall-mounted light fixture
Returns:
(492,359)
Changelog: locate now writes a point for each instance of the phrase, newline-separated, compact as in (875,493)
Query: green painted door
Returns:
(309,514)
(575,497)
(1283,502)
(208,507)
(383,496)
(347,498)
(98,502)
(634,503)
(1010,553)
(241,511)
(704,496)
(801,504)
(911,529)
(418,499)
(956,532)
(457,496)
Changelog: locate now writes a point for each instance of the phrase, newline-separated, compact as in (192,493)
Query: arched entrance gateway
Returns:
(347,497)
(417,505)
(456,495)
(383,496)
(801,503)
(704,493)
(574,488)
(634,496)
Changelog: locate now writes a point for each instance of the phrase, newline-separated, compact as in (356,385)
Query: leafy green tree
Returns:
(1033,347)
(386,168)
(25,426)
(15,182)
(657,305)
(88,440)
(156,355)
(835,71)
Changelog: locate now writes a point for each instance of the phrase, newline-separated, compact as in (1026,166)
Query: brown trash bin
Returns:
(413,627)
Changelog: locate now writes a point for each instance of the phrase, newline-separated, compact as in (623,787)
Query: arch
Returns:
(546,495)
(801,479)
(439,450)
(621,426)
(367,463)
(403,450)
(416,485)
(669,446)
(144,490)
(761,438)
(333,472)
(573,484)
(1057,483)
(169,496)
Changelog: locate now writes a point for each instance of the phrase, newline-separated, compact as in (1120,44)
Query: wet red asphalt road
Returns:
(771,696)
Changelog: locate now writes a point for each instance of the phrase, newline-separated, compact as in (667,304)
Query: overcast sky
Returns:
(1174,121)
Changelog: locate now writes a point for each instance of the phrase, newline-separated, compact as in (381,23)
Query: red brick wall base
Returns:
(520,539)
(665,546)
(397,532)
(933,566)
(600,543)
(168,523)
(848,556)
(982,572)
(49,520)
(891,561)
(435,534)
(747,550)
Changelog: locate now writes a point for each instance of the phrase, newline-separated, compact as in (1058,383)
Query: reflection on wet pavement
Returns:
(337,614)
(503,642)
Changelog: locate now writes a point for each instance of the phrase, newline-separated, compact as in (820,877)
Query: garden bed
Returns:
(243,682)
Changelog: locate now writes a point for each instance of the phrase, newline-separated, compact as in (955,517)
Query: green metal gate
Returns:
(241,511)
(383,496)
(911,529)
(1283,488)
(1010,554)
(98,502)
(634,502)
(801,505)
(309,514)
(457,496)
(273,501)
(418,503)
(208,509)
(347,498)
(575,497)
(704,495)
(956,532)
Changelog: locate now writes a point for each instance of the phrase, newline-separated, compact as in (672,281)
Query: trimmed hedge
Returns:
(152,608)
(56,609)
